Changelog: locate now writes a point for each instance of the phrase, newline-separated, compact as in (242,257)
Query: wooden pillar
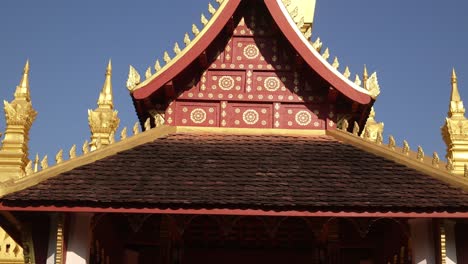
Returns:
(79,238)
(422,241)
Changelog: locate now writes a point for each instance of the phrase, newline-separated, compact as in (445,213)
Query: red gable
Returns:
(251,67)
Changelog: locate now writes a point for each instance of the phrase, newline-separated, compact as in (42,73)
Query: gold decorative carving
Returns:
(123,133)
(406,147)
(195,30)
(85,147)
(272,84)
(44,163)
(336,63)
(326,54)
(356,128)
(157,66)
(435,159)
(133,78)
(59,157)
(29,168)
(251,51)
(391,142)
(372,85)
(10,251)
(148,73)
(177,48)
(36,162)
(147,124)
(443,245)
(226,83)
(166,57)
(317,45)
(449,165)
(344,125)
(420,154)
(59,247)
(19,117)
(357,81)
(103,121)
(187,39)
(379,139)
(72,152)
(455,130)
(372,127)
(203,19)
(136,129)
(346,72)
(211,9)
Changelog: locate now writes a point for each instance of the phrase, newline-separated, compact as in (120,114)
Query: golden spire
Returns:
(455,130)
(19,116)
(103,121)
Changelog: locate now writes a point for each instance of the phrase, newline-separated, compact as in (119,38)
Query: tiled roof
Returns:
(305,173)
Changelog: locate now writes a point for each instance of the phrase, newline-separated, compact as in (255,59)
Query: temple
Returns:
(251,146)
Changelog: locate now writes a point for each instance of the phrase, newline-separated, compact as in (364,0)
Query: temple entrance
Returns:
(193,239)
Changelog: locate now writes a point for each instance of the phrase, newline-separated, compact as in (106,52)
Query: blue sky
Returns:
(411,44)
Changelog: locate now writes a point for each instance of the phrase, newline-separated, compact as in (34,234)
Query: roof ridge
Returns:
(403,155)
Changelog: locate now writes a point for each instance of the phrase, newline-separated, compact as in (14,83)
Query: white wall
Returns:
(422,242)
(79,238)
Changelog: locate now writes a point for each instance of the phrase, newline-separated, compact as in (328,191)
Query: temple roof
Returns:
(219,20)
(193,170)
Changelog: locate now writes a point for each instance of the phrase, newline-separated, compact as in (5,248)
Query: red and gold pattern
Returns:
(252,82)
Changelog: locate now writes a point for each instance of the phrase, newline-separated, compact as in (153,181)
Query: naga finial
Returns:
(177,48)
(357,81)
(345,125)
(326,54)
(166,57)
(187,39)
(195,30)
(123,134)
(147,124)
(346,72)
(317,44)
(391,142)
(356,128)
(449,165)
(133,78)
(29,168)
(420,154)
(203,19)
(336,63)
(379,138)
(72,152)
(136,129)
(44,163)
(59,157)
(85,147)
(372,85)
(148,73)
(406,147)
(211,9)
(157,66)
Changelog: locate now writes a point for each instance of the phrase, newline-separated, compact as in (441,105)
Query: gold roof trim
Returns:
(403,155)
(134,84)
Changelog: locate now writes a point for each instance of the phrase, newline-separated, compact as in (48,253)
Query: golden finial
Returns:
(157,65)
(379,138)
(455,96)
(346,72)
(85,147)
(326,54)
(211,9)
(72,152)
(195,30)
(136,129)
(176,48)
(36,163)
(22,90)
(356,128)
(203,19)
(29,168)
(357,81)
(148,73)
(435,160)
(59,157)
(391,142)
(133,78)
(456,108)
(336,63)
(345,125)
(406,147)
(166,57)
(420,154)
(317,44)
(123,134)
(187,39)
(449,165)
(147,124)
(105,97)
(44,163)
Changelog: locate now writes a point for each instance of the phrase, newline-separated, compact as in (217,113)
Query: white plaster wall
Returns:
(422,242)
(79,236)
(51,248)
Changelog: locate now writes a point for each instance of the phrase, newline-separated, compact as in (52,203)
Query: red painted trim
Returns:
(250,212)
(191,54)
(311,60)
